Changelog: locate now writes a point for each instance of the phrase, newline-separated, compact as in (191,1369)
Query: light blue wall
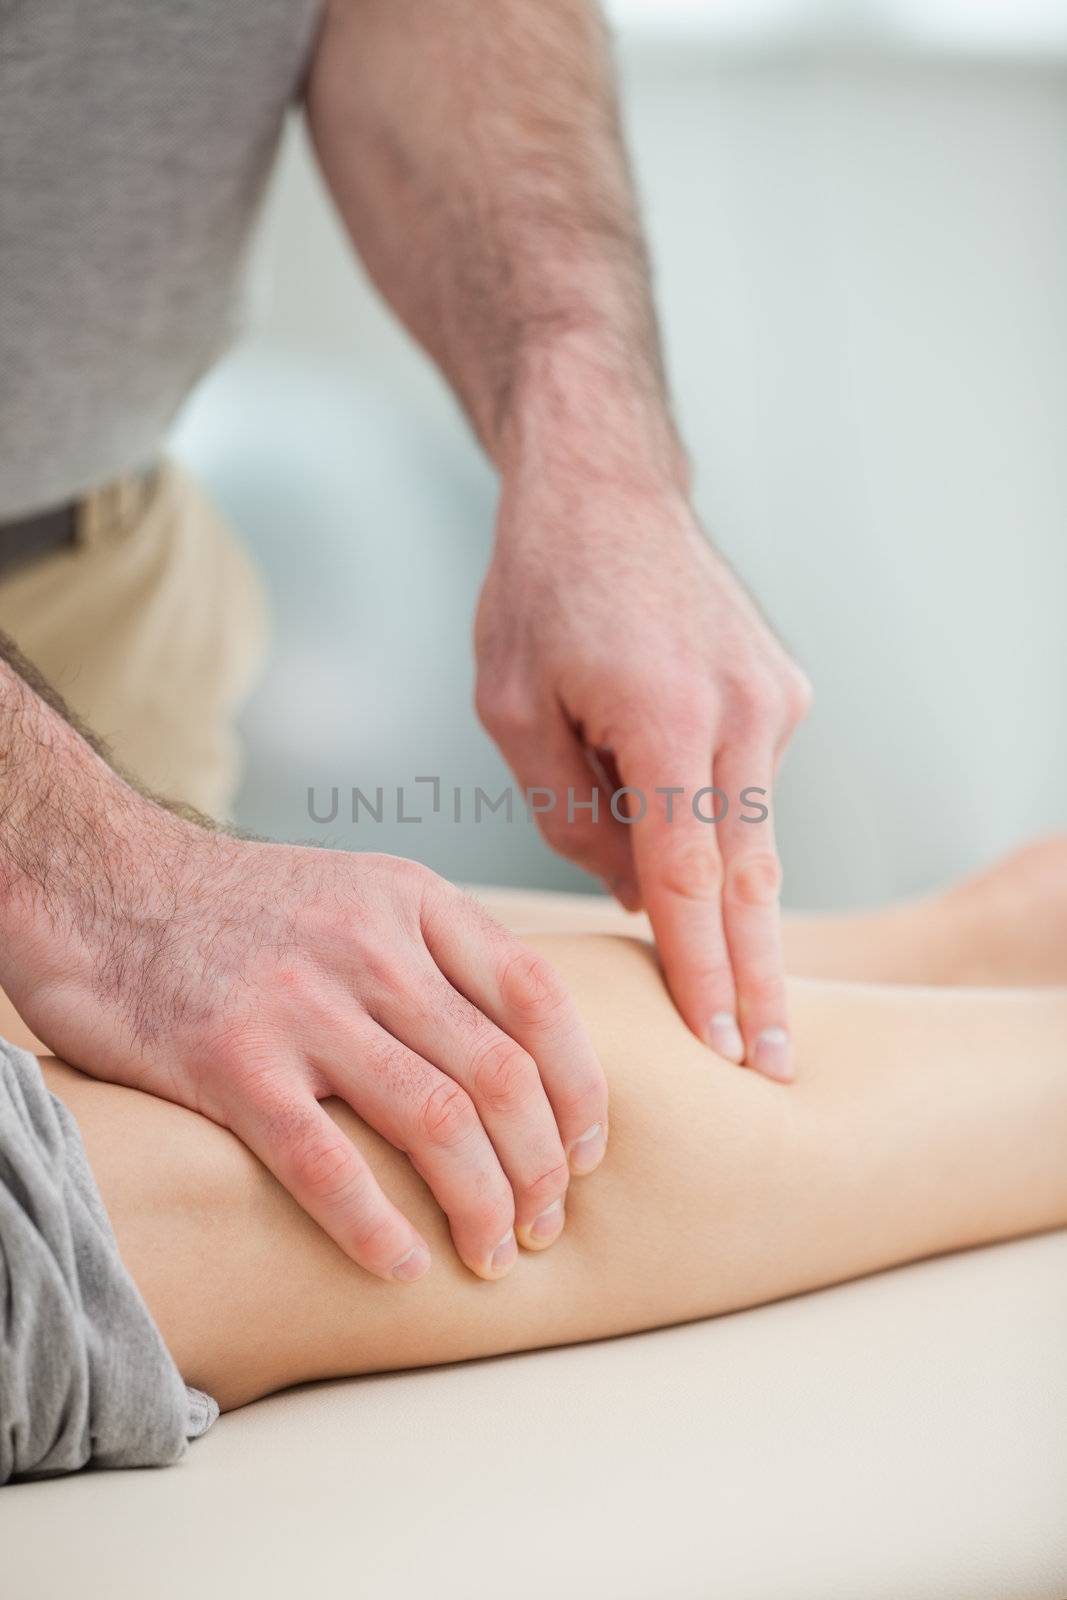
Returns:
(863,269)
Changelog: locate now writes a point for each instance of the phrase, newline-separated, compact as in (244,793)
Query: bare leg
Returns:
(1006,925)
(922,1121)
(1000,928)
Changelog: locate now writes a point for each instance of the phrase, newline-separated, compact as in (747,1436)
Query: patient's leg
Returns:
(1005,925)
(921,1121)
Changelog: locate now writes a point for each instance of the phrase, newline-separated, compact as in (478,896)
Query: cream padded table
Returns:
(900,1438)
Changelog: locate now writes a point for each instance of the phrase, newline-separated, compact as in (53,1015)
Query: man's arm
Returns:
(250,981)
(474,150)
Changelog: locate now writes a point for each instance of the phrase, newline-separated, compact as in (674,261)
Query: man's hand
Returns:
(608,626)
(476,155)
(251,981)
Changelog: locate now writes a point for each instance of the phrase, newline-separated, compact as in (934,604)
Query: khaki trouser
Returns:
(152,627)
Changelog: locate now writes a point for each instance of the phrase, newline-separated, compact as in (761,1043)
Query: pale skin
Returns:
(1003,925)
(474,151)
(924,1119)
(250,981)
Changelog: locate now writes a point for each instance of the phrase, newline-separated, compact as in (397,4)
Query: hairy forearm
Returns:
(57,796)
(474,150)
(74,837)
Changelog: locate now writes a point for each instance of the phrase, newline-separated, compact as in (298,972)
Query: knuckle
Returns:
(486,700)
(692,870)
(323,1167)
(530,988)
(758,698)
(384,976)
(375,1239)
(584,1100)
(558,832)
(711,977)
(447,1116)
(247,1068)
(551,1183)
(675,712)
(764,993)
(487,1220)
(688,712)
(755,880)
(574,840)
(634,687)
(414,888)
(504,710)
(238,1048)
(503,1076)
(799,695)
(411,874)
(442,907)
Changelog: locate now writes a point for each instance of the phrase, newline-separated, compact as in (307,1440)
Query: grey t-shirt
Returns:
(136,138)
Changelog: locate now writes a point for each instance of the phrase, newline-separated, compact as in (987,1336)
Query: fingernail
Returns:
(549,1223)
(773,1056)
(725,1036)
(413,1265)
(505,1252)
(587,1150)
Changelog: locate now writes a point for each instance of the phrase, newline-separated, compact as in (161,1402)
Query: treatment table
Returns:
(903,1437)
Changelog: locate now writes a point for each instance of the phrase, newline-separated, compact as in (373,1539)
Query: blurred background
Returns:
(858,215)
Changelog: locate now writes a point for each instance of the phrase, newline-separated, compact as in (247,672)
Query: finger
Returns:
(326,1175)
(432,1118)
(679,871)
(571,806)
(606,771)
(751,912)
(503,1083)
(518,990)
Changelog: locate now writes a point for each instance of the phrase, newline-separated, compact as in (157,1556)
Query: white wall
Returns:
(863,267)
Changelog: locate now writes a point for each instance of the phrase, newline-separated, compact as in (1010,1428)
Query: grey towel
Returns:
(85,1378)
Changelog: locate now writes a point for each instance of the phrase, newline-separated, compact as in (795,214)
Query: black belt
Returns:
(28,538)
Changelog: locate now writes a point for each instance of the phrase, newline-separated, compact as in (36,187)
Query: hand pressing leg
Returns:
(921,1121)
